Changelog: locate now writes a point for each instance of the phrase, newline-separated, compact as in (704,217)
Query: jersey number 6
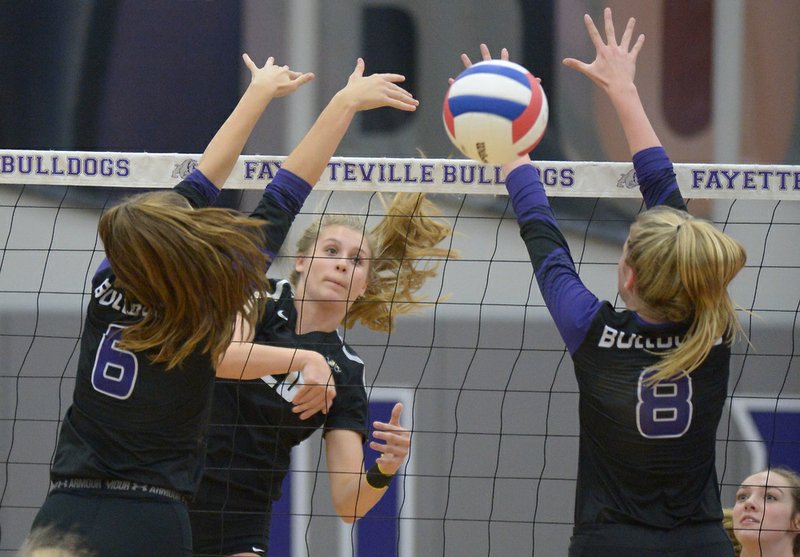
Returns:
(115,370)
(664,409)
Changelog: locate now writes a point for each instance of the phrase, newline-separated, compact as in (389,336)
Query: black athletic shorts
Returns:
(218,533)
(621,540)
(119,524)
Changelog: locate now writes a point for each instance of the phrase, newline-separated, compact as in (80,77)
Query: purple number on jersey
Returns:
(115,370)
(664,409)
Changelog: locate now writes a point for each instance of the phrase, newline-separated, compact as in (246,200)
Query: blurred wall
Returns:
(162,76)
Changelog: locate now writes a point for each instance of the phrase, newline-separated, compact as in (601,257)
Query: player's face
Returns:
(764,513)
(338,268)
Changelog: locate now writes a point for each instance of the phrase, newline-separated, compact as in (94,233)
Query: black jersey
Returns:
(131,419)
(647,455)
(253,428)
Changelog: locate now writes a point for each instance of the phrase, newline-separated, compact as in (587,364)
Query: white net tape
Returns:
(563,179)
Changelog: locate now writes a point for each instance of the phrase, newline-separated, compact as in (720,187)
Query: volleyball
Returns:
(495,111)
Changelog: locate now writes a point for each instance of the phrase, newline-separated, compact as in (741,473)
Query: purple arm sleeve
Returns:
(202,184)
(570,303)
(656,178)
(280,203)
(197,189)
(289,191)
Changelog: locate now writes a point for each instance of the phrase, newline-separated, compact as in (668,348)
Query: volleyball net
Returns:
(488,387)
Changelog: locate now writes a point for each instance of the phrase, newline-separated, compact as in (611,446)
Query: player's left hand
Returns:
(396,442)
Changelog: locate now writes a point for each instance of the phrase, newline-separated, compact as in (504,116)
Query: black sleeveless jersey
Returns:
(647,455)
(253,429)
(131,419)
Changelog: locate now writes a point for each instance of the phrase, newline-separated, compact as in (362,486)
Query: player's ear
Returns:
(627,276)
(630,278)
(300,263)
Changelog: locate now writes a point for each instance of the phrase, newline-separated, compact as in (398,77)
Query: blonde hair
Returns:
(408,233)
(193,271)
(683,266)
(48,542)
(727,523)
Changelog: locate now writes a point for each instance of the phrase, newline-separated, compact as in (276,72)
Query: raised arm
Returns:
(284,196)
(309,159)
(266,83)
(613,70)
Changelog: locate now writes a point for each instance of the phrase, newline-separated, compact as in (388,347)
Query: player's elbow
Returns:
(348,519)
(347,515)
(347,511)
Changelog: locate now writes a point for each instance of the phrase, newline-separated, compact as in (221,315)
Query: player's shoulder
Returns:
(103,279)
(347,363)
(280,295)
(280,290)
(349,352)
(279,306)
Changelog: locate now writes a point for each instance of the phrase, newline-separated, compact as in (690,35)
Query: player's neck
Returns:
(633,303)
(649,318)
(773,550)
(318,316)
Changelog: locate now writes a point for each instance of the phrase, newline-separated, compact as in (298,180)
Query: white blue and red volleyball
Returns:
(495,111)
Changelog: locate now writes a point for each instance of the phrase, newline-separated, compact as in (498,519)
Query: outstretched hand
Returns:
(377,90)
(279,80)
(397,441)
(615,63)
(485,55)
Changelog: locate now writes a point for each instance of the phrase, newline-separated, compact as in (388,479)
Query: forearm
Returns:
(309,159)
(227,144)
(352,494)
(354,497)
(248,360)
(638,130)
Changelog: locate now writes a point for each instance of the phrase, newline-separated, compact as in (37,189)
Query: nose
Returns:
(750,502)
(342,264)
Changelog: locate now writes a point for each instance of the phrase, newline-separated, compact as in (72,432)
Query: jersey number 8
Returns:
(664,409)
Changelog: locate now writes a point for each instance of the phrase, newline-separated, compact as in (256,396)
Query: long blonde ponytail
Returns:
(683,267)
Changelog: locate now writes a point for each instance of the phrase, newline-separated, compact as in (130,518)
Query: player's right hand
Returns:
(318,389)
